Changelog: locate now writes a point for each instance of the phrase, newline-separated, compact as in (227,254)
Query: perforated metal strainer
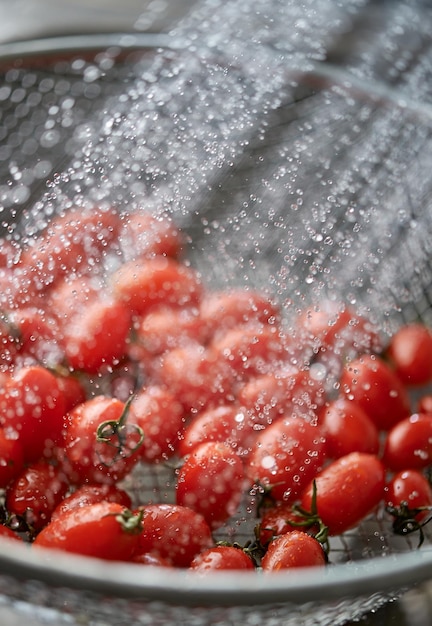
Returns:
(312,183)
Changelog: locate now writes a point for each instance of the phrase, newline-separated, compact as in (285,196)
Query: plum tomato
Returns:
(222,557)
(174,533)
(196,376)
(293,550)
(35,493)
(160,416)
(410,353)
(146,235)
(91,494)
(98,337)
(211,482)
(100,444)
(221,311)
(347,428)
(32,407)
(408,445)
(104,530)
(347,490)
(227,423)
(370,383)
(409,488)
(286,456)
(282,519)
(144,283)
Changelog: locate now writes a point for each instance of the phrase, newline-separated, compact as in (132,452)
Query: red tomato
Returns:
(165,328)
(410,352)
(412,489)
(98,336)
(227,423)
(286,456)
(38,335)
(293,550)
(196,376)
(105,530)
(144,283)
(174,533)
(211,482)
(424,404)
(223,310)
(146,235)
(280,520)
(91,494)
(36,492)
(70,296)
(370,383)
(250,350)
(161,417)
(100,444)
(347,490)
(280,393)
(408,445)
(347,428)
(222,557)
(32,406)
(11,457)
(72,389)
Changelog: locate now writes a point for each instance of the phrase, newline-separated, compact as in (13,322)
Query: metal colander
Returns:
(296,159)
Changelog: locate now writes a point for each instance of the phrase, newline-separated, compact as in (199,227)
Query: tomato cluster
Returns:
(116,356)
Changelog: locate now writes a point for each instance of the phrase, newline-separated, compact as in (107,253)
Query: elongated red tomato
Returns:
(280,520)
(408,444)
(410,352)
(173,533)
(105,530)
(347,490)
(211,482)
(293,550)
(286,456)
(372,384)
(88,493)
(222,557)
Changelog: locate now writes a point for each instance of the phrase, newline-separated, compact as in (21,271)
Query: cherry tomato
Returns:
(280,520)
(146,235)
(286,456)
(38,335)
(144,283)
(412,489)
(100,444)
(174,533)
(36,492)
(222,557)
(408,445)
(424,404)
(370,383)
(347,428)
(221,311)
(293,550)
(91,494)
(410,352)
(165,328)
(105,530)
(98,336)
(73,390)
(347,490)
(196,375)
(227,423)
(160,416)
(211,482)
(11,457)
(32,406)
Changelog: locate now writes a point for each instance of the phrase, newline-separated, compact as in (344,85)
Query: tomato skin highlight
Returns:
(408,444)
(372,384)
(286,456)
(410,352)
(347,490)
(173,533)
(96,530)
(293,550)
(222,558)
(211,482)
